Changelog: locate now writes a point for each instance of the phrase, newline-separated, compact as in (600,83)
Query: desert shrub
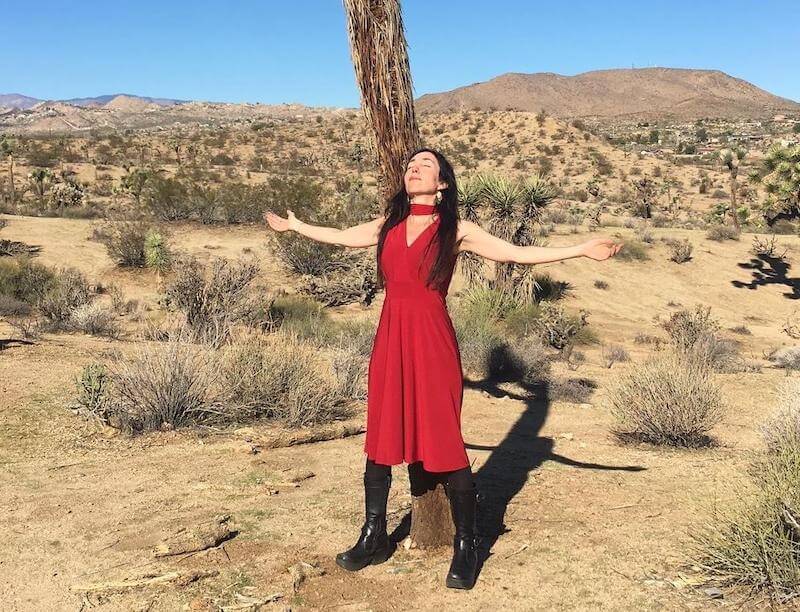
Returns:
(666,400)
(12,307)
(787,358)
(278,376)
(167,199)
(600,284)
(680,251)
(95,319)
(782,429)
(766,247)
(241,203)
(170,384)
(125,241)
(520,321)
(214,297)
(24,279)
(357,283)
(572,390)
(486,303)
(721,232)
(613,353)
(685,327)
(634,250)
(478,338)
(69,291)
(556,327)
(300,255)
(695,334)
(93,391)
(754,542)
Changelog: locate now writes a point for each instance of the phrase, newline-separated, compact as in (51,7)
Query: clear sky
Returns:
(297,50)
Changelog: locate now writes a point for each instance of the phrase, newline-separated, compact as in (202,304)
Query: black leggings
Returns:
(421,480)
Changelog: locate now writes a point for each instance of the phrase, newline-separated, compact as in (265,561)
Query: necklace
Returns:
(422,209)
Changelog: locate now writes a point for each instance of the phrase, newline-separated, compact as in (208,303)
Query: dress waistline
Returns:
(412,291)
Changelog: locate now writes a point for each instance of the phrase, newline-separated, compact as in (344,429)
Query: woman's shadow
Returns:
(521,451)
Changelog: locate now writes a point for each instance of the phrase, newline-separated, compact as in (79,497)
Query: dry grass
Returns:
(666,400)
(755,542)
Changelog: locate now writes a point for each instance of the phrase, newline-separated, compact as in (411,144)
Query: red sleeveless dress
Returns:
(415,382)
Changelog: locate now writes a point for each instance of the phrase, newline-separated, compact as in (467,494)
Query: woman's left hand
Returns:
(600,248)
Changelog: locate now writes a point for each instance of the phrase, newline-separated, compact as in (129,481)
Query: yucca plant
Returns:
(513,207)
(470,194)
(156,253)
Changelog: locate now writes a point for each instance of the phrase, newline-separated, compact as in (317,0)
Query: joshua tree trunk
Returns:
(734,187)
(380,59)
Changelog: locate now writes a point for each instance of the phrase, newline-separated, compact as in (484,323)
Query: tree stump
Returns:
(431,520)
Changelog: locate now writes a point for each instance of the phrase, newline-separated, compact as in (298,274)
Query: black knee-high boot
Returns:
(373,546)
(464,565)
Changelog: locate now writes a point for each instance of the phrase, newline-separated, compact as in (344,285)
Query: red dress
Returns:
(415,383)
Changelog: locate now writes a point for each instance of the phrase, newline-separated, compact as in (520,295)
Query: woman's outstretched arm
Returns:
(472,237)
(358,236)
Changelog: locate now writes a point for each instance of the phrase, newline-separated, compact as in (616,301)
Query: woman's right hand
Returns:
(280,224)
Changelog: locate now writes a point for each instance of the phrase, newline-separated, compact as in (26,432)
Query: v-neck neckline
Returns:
(405,233)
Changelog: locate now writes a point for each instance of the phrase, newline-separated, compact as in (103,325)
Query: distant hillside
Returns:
(24,102)
(14,100)
(675,93)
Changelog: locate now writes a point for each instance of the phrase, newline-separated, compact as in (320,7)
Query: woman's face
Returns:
(422,175)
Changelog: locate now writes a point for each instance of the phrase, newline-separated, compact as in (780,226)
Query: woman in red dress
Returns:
(415,383)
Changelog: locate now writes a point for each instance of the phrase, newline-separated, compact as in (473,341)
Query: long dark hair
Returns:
(397,209)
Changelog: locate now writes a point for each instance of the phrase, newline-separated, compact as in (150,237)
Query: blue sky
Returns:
(297,51)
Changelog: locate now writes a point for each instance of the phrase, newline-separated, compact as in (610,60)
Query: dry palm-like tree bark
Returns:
(380,58)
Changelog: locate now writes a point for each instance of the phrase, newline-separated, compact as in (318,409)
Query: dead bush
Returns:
(170,384)
(213,298)
(95,319)
(277,376)
(666,400)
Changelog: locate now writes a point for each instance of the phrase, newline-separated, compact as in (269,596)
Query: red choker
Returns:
(422,209)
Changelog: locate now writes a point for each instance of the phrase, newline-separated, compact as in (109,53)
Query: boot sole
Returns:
(452,583)
(376,559)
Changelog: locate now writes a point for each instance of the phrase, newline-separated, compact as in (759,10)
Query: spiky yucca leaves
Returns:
(780,175)
(156,252)
(513,208)
(470,195)
(380,59)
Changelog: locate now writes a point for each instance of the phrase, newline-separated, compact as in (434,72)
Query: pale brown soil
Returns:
(587,523)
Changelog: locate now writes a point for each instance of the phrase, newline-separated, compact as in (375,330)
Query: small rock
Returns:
(566,436)
(713,593)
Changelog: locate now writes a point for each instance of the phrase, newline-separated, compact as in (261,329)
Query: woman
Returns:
(415,385)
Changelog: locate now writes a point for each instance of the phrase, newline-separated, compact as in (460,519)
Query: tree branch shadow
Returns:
(768,270)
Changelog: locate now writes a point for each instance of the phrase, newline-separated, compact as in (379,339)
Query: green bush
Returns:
(24,279)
